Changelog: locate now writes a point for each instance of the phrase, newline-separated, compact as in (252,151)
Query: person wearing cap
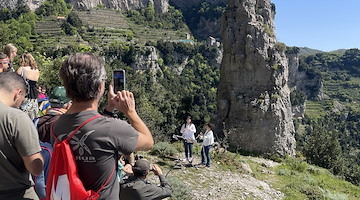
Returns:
(136,187)
(4,62)
(208,141)
(19,144)
(188,131)
(59,105)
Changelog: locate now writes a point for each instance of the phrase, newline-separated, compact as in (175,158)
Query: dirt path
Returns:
(215,184)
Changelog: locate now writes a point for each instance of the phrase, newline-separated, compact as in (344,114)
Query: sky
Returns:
(325,25)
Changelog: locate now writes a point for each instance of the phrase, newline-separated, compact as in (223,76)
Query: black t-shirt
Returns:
(96,147)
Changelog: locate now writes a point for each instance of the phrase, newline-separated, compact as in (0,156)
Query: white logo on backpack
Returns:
(62,188)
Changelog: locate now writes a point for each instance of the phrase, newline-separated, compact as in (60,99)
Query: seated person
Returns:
(136,187)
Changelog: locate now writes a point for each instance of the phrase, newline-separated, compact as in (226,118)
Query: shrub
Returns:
(312,193)
(280,46)
(297,97)
(163,149)
(180,190)
(297,165)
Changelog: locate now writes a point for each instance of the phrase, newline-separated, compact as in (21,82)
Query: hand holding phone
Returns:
(119,80)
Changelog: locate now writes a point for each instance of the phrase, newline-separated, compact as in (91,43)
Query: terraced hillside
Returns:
(316,109)
(345,91)
(103,18)
(106,26)
(51,35)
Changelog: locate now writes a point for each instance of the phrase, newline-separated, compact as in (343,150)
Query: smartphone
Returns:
(119,80)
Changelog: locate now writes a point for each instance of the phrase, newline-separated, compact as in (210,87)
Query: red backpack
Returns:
(63,181)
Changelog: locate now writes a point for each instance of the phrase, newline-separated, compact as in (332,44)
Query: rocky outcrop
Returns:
(208,27)
(254,106)
(12,4)
(146,59)
(161,6)
(299,80)
(185,4)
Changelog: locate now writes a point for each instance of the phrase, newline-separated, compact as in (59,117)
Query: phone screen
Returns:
(119,80)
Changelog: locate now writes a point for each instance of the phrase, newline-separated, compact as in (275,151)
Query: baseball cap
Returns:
(58,95)
(141,167)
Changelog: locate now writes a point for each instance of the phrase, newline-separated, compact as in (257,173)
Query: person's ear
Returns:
(17,94)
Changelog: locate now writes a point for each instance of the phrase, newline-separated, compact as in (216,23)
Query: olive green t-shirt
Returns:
(18,138)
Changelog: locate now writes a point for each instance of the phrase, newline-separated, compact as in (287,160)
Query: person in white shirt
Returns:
(208,141)
(188,131)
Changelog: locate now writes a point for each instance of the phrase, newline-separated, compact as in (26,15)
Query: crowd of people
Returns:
(29,118)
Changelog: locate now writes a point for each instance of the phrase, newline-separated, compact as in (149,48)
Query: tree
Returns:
(323,148)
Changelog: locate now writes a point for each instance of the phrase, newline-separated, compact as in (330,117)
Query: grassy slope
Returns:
(229,179)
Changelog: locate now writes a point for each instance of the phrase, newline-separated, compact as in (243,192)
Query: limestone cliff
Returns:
(253,96)
(299,80)
(161,6)
(186,4)
(12,4)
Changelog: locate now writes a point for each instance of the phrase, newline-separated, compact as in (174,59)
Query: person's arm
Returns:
(127,169)
(124,101)
(19,71)
(212,139)
(182,130)
(159,192)
(34,163)
(27,143)
(192,128)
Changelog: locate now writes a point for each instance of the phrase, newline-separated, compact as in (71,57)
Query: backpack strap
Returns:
(107,180)
(23,72)
(73,133)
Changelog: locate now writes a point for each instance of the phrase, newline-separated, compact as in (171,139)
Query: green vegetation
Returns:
(184,79)
(163,149)
(309,182)
(331,135)
(203,11)
(297,97)
(180,190)
(173,19)
(53,7)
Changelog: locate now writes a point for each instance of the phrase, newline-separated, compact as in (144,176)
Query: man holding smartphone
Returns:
(98,144)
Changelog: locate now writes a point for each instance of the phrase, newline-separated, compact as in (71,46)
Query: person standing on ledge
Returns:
(188,131)
(208,141)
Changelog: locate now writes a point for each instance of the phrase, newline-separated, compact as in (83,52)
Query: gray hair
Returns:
(82,75)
